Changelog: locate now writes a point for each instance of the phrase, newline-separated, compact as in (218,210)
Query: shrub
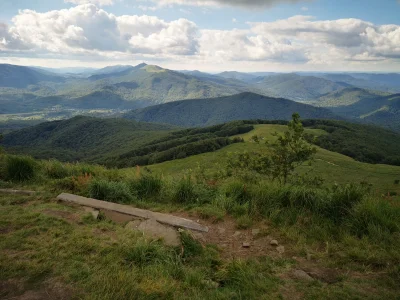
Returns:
(185,191)
(20,168)
(55,170)
(112,191)
(397,181)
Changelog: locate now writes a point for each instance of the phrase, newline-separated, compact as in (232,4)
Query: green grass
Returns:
(331,166)
(341,223)
(102,260)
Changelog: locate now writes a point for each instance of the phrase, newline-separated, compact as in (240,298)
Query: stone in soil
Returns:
(237,234)
(92,211)
(280,249)
(221,230)
(274,243)
(255,231)
(246,245)
(301,275)
(155,230)
(133,224)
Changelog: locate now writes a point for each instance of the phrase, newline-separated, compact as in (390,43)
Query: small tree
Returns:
(290,150)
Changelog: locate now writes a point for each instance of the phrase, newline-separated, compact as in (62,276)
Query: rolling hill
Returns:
(296,87)
(347,97)
(21,77)
(246,77)
(373,81)
(367,106)
(242,106)
(83,138)
(118,142)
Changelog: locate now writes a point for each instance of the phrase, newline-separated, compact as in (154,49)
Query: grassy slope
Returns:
(331,166)
(59,252)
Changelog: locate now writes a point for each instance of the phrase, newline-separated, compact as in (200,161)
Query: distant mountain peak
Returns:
(142,65)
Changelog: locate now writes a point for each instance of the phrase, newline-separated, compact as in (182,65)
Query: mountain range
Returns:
(124,87)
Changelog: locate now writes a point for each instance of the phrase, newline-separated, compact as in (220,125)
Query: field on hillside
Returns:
(331,166)
(266,240)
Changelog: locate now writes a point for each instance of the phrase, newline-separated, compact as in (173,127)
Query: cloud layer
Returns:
(237,3)
(96,2)
(89,31)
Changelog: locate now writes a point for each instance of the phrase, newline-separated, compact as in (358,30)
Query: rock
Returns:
(210,284)
(280,249)
(309,256)
(221,230)
(156,230)
(92,211)
(246,245)
(274,243)
(199,236)
(95,214)
(237,234)
(133,224)
(301,275)
(255,231)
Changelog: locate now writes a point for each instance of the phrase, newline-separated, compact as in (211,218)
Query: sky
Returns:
(205,35)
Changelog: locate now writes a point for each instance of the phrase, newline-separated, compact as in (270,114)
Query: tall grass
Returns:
(56,170)
(112,191)
(147,186)
(20,168)
(184,191)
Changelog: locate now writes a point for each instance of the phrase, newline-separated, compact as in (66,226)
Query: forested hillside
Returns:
(83,138)
(118,142)
(296,87)
(365,106)
(242,106)
(364,143)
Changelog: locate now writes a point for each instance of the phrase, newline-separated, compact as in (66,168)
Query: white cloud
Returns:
(236,45)
(86,29)
(349,37)
(178,38)
(234,20)
(96,2)
(304,8)
(90,33)
(218,3)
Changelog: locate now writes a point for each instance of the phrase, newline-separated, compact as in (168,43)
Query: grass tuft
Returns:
(110,191)
(20,168)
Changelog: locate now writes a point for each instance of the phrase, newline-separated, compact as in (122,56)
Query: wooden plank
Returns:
(137,212)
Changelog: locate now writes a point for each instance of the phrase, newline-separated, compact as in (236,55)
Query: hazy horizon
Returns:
(206,35)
